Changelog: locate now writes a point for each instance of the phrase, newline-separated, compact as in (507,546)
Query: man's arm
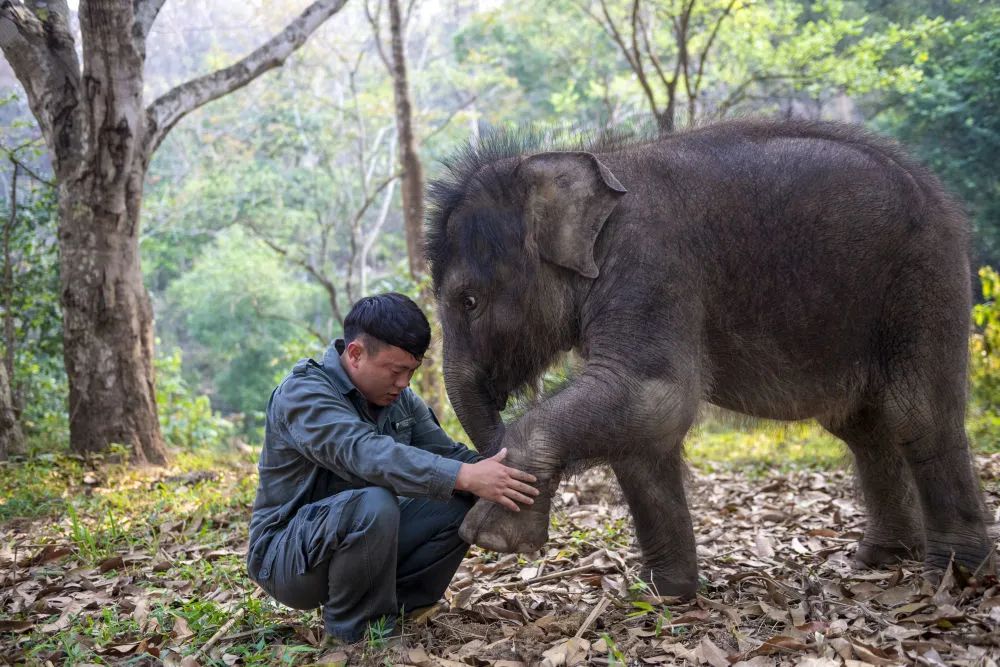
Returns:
(428,435)
(485,478)
(325,429)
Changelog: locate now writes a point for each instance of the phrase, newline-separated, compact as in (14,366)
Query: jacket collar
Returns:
(334,369)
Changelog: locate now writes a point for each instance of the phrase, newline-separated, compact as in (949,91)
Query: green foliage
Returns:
(616,658)
(186,420)
(37,486)
(531,55)
(557,65)
(39,380)
(950,117)
(241,313)
(984,366)
(759,447)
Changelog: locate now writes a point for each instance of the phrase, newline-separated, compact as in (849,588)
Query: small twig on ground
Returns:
(597,611)
(214,639)
(523,609)
(555,575)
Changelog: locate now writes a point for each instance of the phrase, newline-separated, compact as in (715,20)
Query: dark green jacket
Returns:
(321,439)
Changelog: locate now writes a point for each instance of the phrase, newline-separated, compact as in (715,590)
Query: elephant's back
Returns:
(802,251)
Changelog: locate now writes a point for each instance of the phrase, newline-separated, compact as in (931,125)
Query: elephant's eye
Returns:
(469,302)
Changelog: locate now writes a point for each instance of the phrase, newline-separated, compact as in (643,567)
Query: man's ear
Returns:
(354,350)
(569,197)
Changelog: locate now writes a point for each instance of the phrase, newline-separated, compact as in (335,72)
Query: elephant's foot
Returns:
(872,554)
(496,528)
(682,585)
(975,555)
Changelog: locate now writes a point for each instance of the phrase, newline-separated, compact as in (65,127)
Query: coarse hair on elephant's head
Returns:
(509,235)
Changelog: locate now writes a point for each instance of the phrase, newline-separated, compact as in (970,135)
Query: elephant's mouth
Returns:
(497,395)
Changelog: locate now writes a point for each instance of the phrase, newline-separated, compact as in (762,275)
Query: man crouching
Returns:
(361,492)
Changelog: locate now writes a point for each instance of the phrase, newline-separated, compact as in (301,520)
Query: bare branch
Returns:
(668,83)
(372,236)
(145,12)
(708,45)
(451,116)
(30,172)
(370,199)
(374,20)
(740,92)
(318,275)
(162,114)
(408,13)
(42,54)
(632,56)
(683,60)
(265,315)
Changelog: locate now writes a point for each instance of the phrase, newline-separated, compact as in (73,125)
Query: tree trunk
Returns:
(412,187)
(102,139)
(107,319)
(11,438)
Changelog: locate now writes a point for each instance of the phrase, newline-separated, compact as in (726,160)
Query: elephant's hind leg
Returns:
(654,489)
(894,530)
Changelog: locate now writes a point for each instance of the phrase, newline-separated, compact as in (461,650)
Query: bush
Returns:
(984,365)
(187,421)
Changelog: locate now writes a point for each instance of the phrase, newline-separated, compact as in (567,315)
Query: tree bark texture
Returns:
(431,388)
(11,437)
(102,139)
(412,186)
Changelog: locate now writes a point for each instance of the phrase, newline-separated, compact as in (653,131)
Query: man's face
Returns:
(380,377)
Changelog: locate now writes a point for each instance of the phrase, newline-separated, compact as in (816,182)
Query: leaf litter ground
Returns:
(150,571)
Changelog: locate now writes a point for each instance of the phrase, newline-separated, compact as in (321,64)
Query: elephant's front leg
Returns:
(494,527)
(654,489)
(600,416)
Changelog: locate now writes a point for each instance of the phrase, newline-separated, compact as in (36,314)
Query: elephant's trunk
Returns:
(475,404)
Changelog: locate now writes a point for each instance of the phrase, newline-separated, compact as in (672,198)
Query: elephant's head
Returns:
(507,241)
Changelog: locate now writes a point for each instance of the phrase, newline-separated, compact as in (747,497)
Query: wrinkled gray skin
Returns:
(782,270)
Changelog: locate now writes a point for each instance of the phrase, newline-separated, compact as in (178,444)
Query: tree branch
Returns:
(39,47)
(375,20)
(30,172)
(740,92)
(164,113)
(319,276)
(708,45)
(264,315)
(145,12)
(451,116)
(634,61)
(669,84)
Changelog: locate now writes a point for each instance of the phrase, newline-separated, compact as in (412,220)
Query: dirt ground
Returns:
(778,588)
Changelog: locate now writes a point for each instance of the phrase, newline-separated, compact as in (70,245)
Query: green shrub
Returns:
(187,421)
(984,365)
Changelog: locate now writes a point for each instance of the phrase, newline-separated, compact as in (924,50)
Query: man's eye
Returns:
(469,302)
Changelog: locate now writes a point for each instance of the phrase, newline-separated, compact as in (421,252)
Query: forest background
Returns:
(265,213)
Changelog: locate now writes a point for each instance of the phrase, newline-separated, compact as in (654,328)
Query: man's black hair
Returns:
(390,318)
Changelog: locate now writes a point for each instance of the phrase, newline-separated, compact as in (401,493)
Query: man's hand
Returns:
(492,480)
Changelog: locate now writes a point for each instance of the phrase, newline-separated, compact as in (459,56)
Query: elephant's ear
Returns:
(569,196)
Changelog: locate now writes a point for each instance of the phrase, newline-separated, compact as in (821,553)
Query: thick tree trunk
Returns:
(11,438)
(107,319)
(102,139)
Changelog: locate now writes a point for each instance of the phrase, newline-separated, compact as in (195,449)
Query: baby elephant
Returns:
(786,270)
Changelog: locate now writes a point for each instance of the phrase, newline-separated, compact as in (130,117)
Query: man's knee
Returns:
(459,506)
(376,510)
